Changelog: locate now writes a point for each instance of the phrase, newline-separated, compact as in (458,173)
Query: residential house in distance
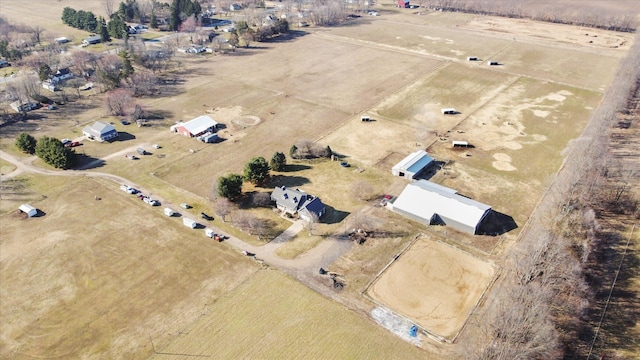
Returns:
(61,75)
(100,131)
(434,204)
(20,106)
(196,127)
(404,4)
(296,201)
(94,39)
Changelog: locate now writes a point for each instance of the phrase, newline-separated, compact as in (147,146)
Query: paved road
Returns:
(305,265)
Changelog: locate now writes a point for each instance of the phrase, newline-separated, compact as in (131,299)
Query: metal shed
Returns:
(29,210)
(431,203)
(412,165)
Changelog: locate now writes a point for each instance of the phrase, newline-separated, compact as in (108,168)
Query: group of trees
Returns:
(80,19)
(49,149)
(18,40)
(256,171)
(307,149)
(181,10)
(558,12)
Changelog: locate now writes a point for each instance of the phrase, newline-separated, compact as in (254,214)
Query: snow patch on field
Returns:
(394,323)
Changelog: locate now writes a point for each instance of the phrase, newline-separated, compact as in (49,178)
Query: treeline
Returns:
(80,19)
(561,13)
(541,307)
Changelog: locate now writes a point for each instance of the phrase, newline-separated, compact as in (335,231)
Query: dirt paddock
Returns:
(435,285)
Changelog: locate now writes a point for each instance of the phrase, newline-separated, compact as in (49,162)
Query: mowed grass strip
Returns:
(92,278)
(272,316)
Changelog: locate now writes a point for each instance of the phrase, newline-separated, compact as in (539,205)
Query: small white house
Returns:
(189,223)
(168,212)
(209,232)
(29,210)
(49,86)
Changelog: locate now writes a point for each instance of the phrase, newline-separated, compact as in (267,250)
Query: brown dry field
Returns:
(308,327)
(92,279)
(398,68)
(445,285)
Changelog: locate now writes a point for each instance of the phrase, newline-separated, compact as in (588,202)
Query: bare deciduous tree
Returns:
(118,102)
(362,190)
(108,7)
(36,33)
(222,206)
(142,83)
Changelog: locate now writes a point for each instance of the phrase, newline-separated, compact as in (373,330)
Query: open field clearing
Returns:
(85,286)
(308,326)
(435,285)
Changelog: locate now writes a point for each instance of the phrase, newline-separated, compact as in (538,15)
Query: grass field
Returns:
(93,278)
(240,325)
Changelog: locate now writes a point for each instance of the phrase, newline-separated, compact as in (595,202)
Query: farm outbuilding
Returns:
(412,165)
(29,210)
(100,131)
(459,143)
(190,223)
(94,39)
(433,204)
(209,138)
(196,127)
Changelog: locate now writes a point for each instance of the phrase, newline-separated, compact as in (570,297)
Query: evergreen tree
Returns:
(116,27)
(127,69)
(53,152)
(174,19)
(230,186)
(43,72)
(26,143)
(278,161)
(104,33)
(256,170)
(153,21)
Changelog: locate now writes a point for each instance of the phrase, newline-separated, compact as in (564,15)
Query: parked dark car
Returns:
(206,217)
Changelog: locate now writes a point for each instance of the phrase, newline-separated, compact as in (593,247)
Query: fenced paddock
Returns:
(435,285)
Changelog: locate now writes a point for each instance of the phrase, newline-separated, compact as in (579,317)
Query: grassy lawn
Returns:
(6,167)
(102,291)
(296,322)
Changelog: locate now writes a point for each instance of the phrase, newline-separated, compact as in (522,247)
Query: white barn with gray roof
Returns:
(412,165)
(430,203)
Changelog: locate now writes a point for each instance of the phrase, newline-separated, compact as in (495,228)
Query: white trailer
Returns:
(168,212)
(189,223)
(209,233)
